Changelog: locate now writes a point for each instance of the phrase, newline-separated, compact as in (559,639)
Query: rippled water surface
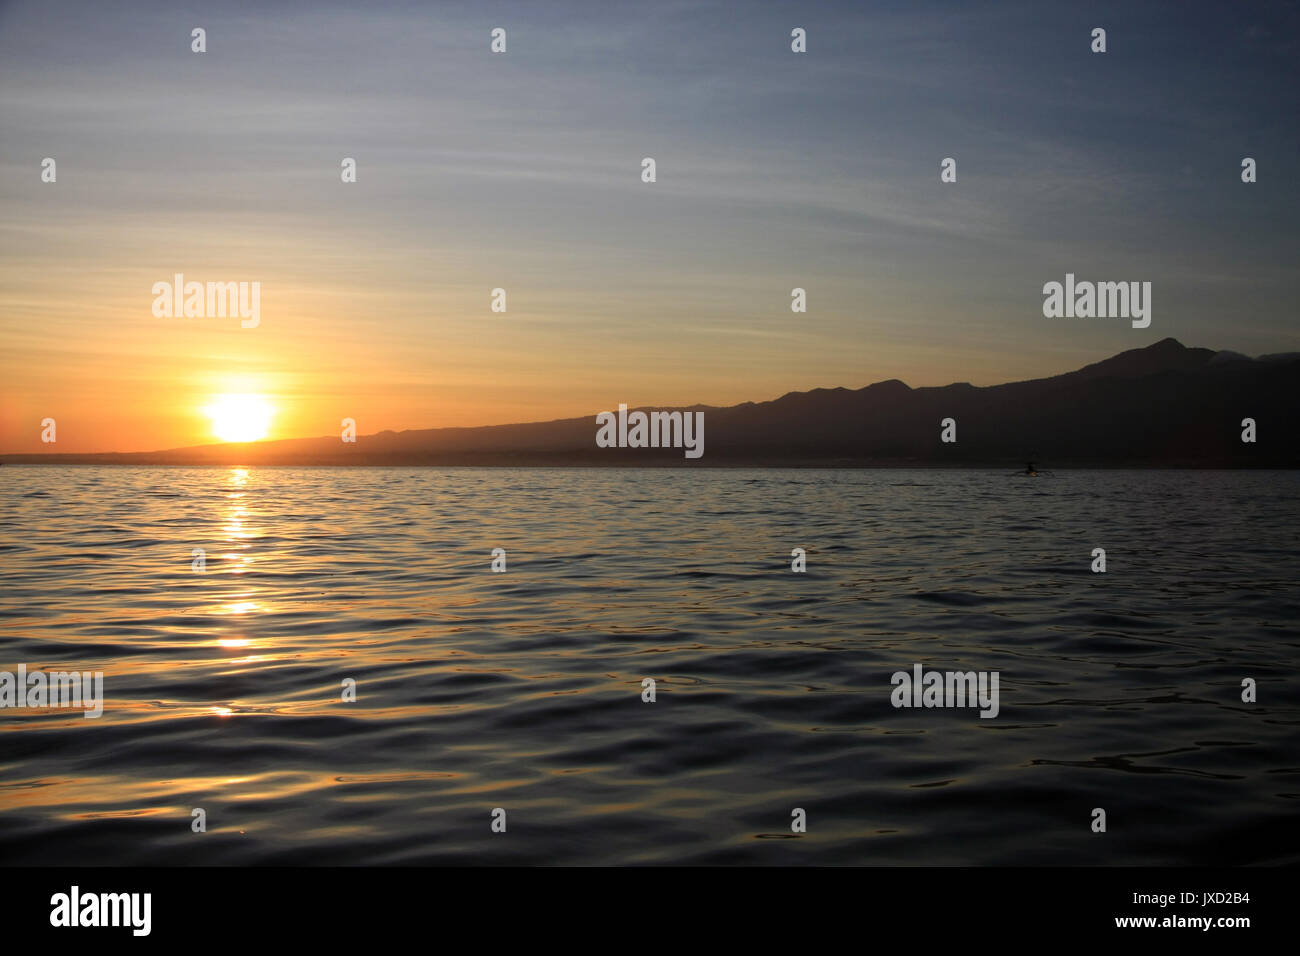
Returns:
(522,690)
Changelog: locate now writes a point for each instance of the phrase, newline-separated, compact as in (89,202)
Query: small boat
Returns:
(1031,471)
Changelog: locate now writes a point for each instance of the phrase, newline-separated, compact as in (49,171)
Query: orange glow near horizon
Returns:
(116,381)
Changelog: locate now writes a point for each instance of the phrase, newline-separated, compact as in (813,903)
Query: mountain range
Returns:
(1165,405)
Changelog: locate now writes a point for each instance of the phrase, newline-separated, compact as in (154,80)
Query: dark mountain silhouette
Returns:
(1164,406)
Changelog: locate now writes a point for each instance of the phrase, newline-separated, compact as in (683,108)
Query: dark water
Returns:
(522,690)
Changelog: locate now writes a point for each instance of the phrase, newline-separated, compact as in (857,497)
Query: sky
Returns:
(522,170)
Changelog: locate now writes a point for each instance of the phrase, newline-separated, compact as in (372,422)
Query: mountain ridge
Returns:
(1164,404)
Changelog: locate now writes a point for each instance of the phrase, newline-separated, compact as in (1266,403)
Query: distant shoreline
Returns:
(80,462)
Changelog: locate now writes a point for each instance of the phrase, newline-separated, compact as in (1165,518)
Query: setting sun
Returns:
(240,417)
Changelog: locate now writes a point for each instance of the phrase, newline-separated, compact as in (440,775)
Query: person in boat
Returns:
(1030,469)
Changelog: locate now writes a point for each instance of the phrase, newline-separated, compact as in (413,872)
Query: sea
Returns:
(322,666)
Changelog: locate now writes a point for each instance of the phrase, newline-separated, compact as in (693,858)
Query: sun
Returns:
(240,417)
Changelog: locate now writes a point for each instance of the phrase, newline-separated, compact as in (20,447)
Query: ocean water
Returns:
(522,690)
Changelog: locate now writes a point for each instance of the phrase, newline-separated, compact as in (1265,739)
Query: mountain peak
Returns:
(1167,355)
